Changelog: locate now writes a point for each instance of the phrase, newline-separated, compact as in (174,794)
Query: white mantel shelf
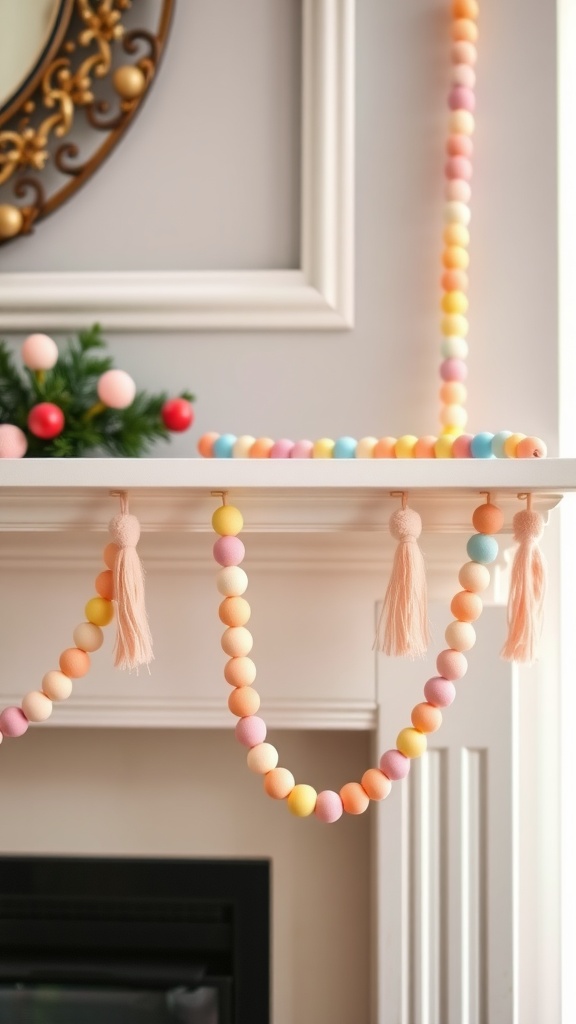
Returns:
(301,496)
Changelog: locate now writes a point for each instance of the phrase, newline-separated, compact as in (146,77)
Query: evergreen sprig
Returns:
(72,386)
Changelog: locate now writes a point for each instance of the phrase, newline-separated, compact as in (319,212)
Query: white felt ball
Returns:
(116,389)
(36,706)
(39,352)
(242,445)
(231,581)
(13,443)
(365,447)
(88,637)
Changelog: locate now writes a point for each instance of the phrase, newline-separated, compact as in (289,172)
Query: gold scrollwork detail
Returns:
(69,83)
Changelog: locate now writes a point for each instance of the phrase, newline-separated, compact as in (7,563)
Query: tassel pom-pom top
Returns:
(405,525)
(527,526)
(124,530)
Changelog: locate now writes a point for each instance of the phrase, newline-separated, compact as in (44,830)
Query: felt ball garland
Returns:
(426,717)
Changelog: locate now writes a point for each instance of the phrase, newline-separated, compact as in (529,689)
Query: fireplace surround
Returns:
(134,940)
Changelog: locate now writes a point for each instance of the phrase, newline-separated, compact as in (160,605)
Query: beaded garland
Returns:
(426,717)
(451,441)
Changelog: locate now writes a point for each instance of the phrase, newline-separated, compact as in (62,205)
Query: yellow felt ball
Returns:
(454,302)
(411,743)
(454,416)
(302,800)
(457,234)
(227,521)
(404,447)
(443,446)
(323,448)
(511,443)
(454,325)
(99,611)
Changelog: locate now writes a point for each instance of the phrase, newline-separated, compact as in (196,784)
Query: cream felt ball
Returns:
(461,636)
(116,389)
(262,758)
(237,641)
(39,352)
(231,581)
(56,685)
(13,443)
(37,706)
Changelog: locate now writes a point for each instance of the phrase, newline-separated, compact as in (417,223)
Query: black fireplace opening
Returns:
(129,940)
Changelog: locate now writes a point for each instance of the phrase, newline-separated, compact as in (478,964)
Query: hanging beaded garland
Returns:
(450,441)
(439,691)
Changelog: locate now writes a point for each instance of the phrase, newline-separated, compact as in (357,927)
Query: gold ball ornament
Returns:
(11,221)
(129,81)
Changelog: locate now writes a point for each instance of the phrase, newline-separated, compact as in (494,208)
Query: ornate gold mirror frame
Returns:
(91,80)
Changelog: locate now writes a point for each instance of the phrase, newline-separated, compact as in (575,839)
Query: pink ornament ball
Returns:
(439,692)
(250,731)
(116,389)
(13,722)
(453,369)
(302,450)
(395,765)
(329,807)
(281,449)
(39,352)
(451,664)
(229,551)
(13,443)
(461,449)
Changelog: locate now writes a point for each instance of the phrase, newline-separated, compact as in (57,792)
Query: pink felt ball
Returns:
(329,806)
(461,448)
(250,731)
(439,692)
(229,551)
(39,352)
(463,74)
(453,369)
(302,450)
(451,664)
(458,167)
(116,389)
(13,443)
(395,765)
(281,449)
(46,421)
(461,98)
(13,722)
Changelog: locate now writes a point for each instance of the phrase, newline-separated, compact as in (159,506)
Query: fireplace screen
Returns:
(134,941)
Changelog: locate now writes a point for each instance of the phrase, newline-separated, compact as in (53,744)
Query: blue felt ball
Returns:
(344,448)
(482,548)
(481,446)
(223,445)
(498,442)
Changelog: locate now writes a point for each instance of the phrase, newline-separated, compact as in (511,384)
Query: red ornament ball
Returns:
(46,421)
(177,414)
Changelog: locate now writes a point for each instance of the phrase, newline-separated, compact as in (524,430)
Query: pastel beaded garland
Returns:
(353,797)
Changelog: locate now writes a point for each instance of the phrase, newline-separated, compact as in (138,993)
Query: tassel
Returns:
(403,628)
(527,588)
(133,639)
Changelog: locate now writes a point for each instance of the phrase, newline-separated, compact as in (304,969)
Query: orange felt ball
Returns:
(426,717)
(234,611)
(424,447)
(452,392)
(354,798)
(465,9)
(488,518)
(105,584)
(531,448)
(74,663)
(375,784)
(465,28)
(261,448)
(278,783)
(109,555)
(206,444)
(244,701)
(466,607)
(240,671)
(454,280)
(385,448)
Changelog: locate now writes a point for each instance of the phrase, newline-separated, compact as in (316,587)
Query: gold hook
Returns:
(527,497)
(400,494)
(220,494)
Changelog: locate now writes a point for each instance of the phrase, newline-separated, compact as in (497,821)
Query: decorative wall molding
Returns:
(317,296)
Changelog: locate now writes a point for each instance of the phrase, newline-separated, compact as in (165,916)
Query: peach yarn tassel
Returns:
(403,628)
(133,639)
(527,588)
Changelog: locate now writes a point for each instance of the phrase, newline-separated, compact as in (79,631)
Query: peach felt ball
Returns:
(39,352)
(262,758)
(74,663)
(488,518)
(110,554)
(426,717)
(236,642)
(206,444)
(531,448)
(116,389)
(376,784)
(36,706)
(278,783)
(466,606)
(460,635)
(452,664)
(355,800)
(385,448)
(56,685)
(244,701)
(234,611)
(261,448)
(250,731)
(240,672)
(13,442)
(104,584)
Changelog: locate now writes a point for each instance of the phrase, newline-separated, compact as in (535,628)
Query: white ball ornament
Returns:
(39,352)
(116,389)
(13,442)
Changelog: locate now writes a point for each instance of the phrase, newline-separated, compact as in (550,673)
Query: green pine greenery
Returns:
(71,385)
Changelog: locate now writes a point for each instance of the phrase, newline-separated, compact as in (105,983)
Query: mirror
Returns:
(73,73)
